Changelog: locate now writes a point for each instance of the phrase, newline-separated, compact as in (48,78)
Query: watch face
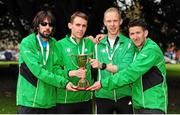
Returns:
(103,66)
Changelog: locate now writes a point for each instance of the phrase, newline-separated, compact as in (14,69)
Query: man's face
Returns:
(112,23)
(45,29)
(138,35)
(78,27)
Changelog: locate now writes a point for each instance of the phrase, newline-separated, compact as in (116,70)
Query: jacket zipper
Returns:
(142,93)
(35,96)
(65,97)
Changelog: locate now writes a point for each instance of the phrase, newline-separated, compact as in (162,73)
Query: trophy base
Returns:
(81,88)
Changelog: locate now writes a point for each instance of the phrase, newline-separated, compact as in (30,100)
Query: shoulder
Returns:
(124,38)
(152,45)
(28,40)
(62,41)
(151,48)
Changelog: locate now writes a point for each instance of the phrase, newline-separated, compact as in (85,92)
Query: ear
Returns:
(37,28)
(121,21)
(146,33)
(104,22)
(69,26)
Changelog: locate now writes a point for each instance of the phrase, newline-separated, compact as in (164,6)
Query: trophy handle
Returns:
(89,56)
(73,61)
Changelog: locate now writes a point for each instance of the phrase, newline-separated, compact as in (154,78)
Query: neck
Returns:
(110,36)
(77,39)
(43,38)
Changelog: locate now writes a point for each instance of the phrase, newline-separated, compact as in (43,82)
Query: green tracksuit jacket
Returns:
(36,82)
(66,48)
(122,55)
(147,75)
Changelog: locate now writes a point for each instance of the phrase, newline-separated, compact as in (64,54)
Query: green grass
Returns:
(7,103)
(173,70)
(6,64)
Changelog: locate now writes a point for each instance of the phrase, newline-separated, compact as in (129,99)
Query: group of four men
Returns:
(131,72)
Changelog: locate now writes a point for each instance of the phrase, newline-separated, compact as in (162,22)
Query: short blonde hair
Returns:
(113,9)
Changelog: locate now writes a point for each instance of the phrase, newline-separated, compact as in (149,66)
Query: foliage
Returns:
(161,16)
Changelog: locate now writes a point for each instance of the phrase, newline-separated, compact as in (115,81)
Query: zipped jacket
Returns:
(122,55)
(37,81)
(147,75)
(66,56)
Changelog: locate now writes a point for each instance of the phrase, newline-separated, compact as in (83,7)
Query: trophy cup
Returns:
(81,60)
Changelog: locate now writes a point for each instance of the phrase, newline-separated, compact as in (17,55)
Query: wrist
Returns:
(103,66)
(72,73)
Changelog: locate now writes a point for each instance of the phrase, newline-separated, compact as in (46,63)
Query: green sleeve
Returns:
(144,61)
(31,58)
(59,67)
(128,57)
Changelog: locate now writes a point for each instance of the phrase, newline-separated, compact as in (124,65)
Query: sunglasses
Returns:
(45,24)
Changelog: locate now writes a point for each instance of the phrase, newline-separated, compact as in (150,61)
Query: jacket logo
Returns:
(68,50)
(85,49)
(103,50)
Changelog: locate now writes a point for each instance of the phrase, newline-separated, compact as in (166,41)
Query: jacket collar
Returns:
(120,39)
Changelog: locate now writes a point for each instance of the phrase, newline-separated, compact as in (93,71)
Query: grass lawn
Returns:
(7,103)
(8,81)
(6,64)
(173,70)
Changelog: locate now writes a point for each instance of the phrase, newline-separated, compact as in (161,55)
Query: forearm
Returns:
(109,67)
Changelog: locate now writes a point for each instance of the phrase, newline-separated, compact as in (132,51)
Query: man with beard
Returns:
(39,75)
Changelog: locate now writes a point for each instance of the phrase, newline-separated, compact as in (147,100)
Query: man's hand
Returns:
(80,73)
(94,63)
(71,87)
(95,86)
(99,37)
(94,40)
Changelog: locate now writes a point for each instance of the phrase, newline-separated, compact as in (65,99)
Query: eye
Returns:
(45,24)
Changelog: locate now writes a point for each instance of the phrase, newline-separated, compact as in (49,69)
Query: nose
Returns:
(134,36)
(112,23)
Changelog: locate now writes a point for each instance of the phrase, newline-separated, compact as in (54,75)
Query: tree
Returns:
(161,16)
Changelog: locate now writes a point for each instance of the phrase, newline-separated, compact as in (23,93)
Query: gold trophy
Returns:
(81,61)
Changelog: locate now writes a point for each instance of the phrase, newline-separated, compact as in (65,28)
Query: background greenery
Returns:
(161,15)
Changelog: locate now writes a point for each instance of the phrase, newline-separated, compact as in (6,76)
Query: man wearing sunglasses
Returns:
(39,75)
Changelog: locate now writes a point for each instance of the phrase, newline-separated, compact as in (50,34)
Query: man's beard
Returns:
(44,35)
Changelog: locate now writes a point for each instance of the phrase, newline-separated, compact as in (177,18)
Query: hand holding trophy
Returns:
(81,61)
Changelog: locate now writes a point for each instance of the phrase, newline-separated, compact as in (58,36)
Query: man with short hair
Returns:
(146,74)
(114,53)
(79,102)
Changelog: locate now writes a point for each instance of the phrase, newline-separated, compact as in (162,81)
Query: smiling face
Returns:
(112,22)
(78,27)
(45,29)
(138,35)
